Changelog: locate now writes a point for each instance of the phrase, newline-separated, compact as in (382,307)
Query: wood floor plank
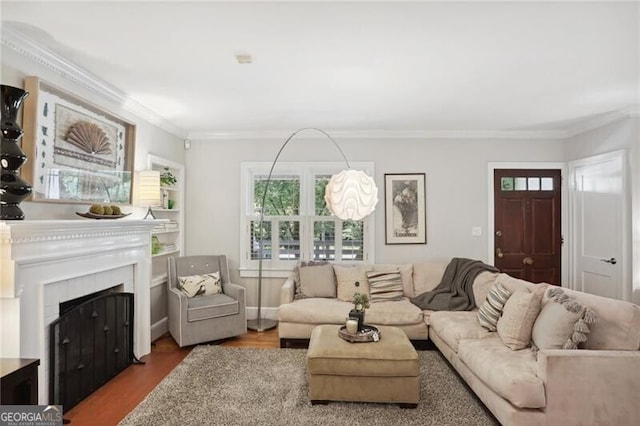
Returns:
(113,401)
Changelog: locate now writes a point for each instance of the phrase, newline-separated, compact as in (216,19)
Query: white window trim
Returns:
(249,268)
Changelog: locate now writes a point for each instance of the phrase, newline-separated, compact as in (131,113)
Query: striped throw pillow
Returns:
(491,309)
(385,286)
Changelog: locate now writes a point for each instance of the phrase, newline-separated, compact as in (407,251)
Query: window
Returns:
(297,224)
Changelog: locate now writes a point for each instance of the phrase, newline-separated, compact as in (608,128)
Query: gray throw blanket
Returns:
(455,291)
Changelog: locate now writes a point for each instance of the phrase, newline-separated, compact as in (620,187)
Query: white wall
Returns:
(149,138)
(625,135)
(456,172)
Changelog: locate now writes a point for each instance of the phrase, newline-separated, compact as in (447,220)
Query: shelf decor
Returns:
(81,153)
(13,188)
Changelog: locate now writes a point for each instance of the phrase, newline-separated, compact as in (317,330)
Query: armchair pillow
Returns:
(197,285)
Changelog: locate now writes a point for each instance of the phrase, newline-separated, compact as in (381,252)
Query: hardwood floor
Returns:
(113,401)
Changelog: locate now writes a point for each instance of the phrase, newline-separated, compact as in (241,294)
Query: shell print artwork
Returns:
(89,137)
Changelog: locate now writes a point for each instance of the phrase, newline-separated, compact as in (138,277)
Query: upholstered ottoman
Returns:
(383,371)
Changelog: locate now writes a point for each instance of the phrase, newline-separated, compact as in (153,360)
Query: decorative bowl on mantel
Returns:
(90,215)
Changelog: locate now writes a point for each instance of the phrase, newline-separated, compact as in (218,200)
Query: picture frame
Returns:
(405,208)
(76,151)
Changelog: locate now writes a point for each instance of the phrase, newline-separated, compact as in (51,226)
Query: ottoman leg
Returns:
(407,405)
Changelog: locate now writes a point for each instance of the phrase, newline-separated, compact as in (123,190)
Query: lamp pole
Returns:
(263,324)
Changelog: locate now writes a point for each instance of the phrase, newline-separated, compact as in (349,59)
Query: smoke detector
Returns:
(244,59)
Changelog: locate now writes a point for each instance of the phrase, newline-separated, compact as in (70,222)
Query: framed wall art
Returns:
(77,152)
(405,208)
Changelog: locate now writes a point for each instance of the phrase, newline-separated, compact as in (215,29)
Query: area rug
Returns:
(232,386)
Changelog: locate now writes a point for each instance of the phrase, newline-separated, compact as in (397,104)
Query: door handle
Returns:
(612,261)
(499,252)
(527,261)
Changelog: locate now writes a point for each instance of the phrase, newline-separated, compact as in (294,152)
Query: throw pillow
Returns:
(296,275)
(562,323)
(352,279)
(491,309)
(519,314)
(199,285)
(385,286)
(317,281)
(406,273)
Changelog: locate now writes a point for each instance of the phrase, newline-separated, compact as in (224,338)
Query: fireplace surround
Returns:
(44,263)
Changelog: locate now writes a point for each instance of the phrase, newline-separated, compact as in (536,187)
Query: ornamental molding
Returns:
(26,46)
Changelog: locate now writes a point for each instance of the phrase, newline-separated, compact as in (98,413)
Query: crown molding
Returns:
(603,120)
(26,46)
(387,134)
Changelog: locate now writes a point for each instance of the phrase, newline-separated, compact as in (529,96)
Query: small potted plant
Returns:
(360,303)
(167,178)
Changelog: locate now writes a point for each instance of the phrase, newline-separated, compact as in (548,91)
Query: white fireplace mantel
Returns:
(44,262)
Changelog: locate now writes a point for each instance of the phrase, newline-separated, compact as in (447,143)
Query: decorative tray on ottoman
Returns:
(368,333)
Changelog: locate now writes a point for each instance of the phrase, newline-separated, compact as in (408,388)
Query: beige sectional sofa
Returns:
(597,384)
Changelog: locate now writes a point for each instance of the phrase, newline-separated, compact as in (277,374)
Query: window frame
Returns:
(306,172)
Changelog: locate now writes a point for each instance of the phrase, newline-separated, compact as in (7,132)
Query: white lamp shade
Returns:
(147,188)
(351,194)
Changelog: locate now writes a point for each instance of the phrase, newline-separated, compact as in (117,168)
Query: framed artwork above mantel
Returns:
(77,152)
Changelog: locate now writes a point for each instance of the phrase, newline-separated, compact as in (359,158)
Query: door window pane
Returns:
(547,184)
(324,240)
(534,183)
(506,183)
(256,236)
(283,195)
(352,241)
(521,184)
(289,240)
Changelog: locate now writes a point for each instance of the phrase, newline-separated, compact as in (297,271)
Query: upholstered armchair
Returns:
(204,318)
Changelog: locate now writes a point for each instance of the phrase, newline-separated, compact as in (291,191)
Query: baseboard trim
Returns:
(159,328)
(269,313)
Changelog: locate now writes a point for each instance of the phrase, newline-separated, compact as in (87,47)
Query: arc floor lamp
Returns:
(350,194)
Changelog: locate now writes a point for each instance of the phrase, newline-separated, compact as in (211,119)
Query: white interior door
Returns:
(598,214)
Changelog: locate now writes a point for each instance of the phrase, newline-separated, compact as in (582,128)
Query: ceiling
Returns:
(351,67)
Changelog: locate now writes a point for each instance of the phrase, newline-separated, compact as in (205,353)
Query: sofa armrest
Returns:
(287,291)
(591,386)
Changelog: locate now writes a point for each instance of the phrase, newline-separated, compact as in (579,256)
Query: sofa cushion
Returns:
(427,275)
(211,306)
(352,279)
(490,311)
(511,374)
(335,311)
(617,326)
(385,286)
(315,310)
(481,286)
(401,312)
(317,280)
(518,316)
(454,326)
(406,273)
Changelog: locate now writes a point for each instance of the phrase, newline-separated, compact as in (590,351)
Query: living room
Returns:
(453,90)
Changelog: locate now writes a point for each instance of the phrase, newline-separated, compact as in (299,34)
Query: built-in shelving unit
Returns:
(170,234)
